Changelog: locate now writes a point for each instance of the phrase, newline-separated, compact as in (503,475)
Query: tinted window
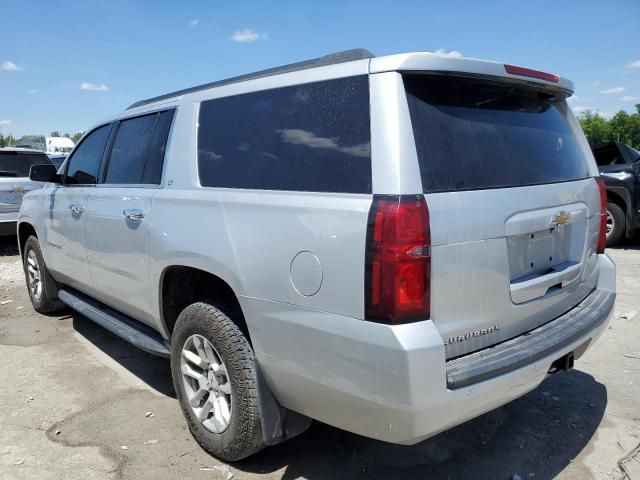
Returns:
(129,150)
(16,164)
(85,160)
(473,134)
(312,137)
(155,157)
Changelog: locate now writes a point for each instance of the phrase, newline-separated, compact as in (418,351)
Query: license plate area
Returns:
(545,254)
(538,252)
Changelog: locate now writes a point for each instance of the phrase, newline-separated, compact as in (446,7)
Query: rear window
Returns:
(15,164)
(472,134)
(313,137)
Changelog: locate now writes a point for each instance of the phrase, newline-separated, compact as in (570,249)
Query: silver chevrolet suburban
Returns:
(390,245)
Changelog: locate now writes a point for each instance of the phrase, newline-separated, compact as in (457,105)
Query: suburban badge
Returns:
(473,334)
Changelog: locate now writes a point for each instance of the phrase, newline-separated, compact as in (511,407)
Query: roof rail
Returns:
(330,59)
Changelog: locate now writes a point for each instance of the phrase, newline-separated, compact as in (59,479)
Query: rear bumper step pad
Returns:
(543,341)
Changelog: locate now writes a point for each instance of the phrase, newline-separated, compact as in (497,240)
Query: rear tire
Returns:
(616,224)
(42,288)
(219,394)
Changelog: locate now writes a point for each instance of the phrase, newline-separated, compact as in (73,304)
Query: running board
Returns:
(125,327)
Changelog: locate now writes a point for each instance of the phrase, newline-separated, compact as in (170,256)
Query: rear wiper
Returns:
(6,173)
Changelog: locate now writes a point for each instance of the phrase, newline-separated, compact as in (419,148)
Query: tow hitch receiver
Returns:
(563,363)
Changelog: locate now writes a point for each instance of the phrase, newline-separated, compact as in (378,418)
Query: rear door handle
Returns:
(76,209)
(133,214)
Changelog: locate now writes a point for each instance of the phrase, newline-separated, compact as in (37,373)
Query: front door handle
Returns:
(76,209)
(133,214)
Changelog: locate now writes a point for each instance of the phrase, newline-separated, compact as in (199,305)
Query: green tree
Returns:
(595,127)
(622,127)
(9,141)
(76,137)
(55,133)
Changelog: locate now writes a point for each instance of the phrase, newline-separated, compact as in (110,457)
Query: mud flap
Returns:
(278,423)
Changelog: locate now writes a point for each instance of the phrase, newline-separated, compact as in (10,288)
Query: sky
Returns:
(66,64)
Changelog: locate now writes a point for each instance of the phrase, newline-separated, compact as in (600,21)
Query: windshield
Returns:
(18,164)
(473,134)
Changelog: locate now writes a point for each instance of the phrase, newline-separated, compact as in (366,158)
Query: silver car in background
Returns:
(15,164)
(390,245)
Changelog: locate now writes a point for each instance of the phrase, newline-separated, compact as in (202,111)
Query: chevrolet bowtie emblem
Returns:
(560,219)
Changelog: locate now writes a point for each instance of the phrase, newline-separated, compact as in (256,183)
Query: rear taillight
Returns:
(602,234)
(398,260)
(527,72)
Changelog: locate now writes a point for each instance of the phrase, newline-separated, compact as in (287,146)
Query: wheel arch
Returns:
(25,230)
(182,285)
(278,423)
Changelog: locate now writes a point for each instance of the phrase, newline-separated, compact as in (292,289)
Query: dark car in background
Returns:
(15,164)
(619,166)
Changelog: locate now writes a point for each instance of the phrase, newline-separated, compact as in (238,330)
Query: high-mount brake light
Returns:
(398,260)
(602,233)
(527,72)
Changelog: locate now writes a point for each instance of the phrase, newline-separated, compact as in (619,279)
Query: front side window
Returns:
(313,137)
(85,161)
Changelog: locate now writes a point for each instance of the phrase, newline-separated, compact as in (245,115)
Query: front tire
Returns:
(42,287)
(214,373)
(616,224)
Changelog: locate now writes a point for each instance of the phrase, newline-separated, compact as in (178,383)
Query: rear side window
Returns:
(155,156)
(313,137)
(138,149)
(85,160)
(129,150)
(17,164)
(473,134)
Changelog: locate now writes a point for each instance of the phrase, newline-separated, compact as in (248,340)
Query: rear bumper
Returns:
(390,383)
(537,344)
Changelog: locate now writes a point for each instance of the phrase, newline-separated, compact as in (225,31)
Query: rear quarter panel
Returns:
(249,238)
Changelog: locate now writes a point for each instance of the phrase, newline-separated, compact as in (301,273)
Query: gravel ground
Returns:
(75,403)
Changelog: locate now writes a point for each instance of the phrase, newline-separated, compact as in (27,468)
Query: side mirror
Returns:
(44,173)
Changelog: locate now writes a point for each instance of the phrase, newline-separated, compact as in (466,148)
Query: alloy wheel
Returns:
(611,224)
(206,383)
(34,274)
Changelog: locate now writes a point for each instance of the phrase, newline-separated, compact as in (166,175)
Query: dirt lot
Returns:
(74,403)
